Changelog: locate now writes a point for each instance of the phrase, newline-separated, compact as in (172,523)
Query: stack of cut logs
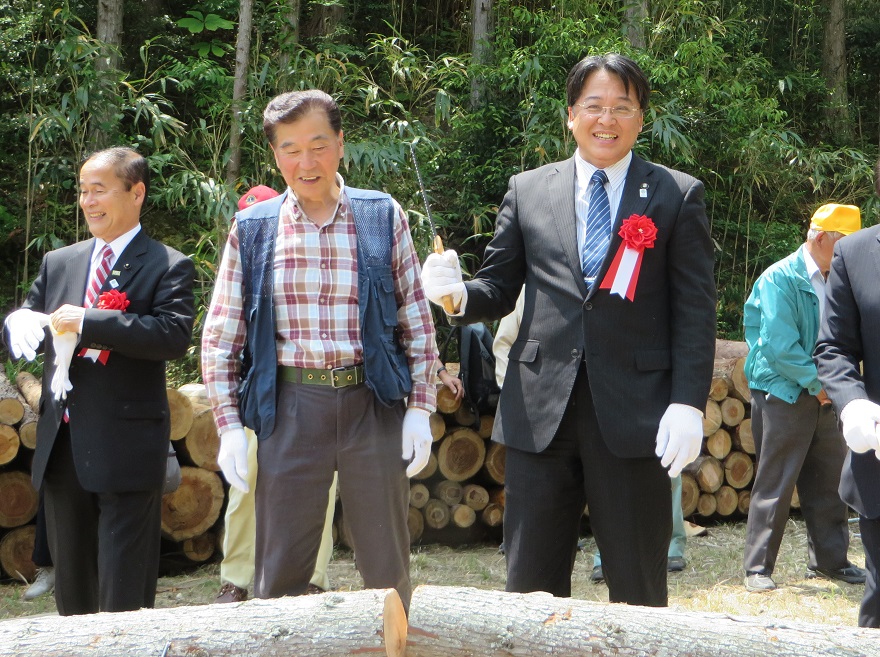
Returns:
(458,498)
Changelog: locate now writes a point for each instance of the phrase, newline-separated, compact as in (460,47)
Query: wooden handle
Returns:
(448,304)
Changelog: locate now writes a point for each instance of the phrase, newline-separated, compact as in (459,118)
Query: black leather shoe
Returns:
(851,574)
(231,593)
(676,564)
(597,576)
(758,582)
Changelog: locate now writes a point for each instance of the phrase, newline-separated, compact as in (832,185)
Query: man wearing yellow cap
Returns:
(797,439)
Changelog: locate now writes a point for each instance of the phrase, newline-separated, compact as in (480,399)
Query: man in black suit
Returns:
(102,439)
(613,360)
(848,359)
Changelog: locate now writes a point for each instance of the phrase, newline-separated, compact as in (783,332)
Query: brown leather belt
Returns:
(338,377)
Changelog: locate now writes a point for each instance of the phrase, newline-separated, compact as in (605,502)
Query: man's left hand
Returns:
(417,440)
(679,437)
(68,319)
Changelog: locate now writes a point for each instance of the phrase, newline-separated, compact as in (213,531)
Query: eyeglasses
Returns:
(618,112)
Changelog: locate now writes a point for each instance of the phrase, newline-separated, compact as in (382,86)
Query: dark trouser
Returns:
(630,511)
(41,556)
(105,546)
(796,444)
(318,430)
(869,613)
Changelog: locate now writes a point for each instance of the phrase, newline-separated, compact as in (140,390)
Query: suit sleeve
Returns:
(839,348)
(164,332)
(693,299)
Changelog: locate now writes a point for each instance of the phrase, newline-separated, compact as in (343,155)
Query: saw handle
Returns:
(448,304)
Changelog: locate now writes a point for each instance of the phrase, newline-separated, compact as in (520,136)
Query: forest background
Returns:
(773,104)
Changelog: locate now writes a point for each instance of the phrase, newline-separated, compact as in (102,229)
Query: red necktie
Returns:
(99,276)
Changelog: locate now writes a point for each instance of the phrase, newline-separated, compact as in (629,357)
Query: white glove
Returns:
(26,332)
(859,419)
(64,343)
(441,277)
(679,437)
(417,440)
(232,458)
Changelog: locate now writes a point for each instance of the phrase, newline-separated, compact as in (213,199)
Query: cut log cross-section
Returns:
(708,472)
(449,492)
(11,402)
(201,445)
(436,514)
(712,418)
(719,444)
(415,522)
(461,454)
(419,495)
(181,413)
(194,507)
(30,388)
(475,496)
(739,469)
(733,411)
(690,494)
(16,549)
(18,499)
(9,444)
(743,438)
(446,401)
(726,501)
(494,464)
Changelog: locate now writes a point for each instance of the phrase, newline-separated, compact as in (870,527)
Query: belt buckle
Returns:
(334,372)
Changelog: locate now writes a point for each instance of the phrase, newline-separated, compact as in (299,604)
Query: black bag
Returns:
(477,372)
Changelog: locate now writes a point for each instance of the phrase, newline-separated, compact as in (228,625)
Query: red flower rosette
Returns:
(113,300)
(639,233)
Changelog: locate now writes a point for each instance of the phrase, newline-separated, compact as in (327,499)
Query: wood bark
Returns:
(16,548)
(239,88)
(18,499)
(481,48)
(194,507)
(332,624)
(454,621)
(461,454)
(834,70)
(30,388)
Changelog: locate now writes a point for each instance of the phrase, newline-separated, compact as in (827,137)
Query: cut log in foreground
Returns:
(454,621)
(331,624)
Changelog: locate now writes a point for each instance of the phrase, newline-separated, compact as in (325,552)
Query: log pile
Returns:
(191,516)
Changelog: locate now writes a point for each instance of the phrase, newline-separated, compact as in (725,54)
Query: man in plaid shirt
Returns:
(330,411)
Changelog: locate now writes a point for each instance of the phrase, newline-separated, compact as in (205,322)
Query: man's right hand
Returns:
(859,419)
(26,332)
(232,458)
(441,277)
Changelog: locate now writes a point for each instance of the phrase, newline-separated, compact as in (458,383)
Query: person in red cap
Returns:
(797,440)
(255,195)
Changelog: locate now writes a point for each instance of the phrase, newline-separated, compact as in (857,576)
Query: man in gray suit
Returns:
(848,359)
(613,360)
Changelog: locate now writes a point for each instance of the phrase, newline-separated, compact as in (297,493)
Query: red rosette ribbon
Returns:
(639,233)
(113,300)
(109,300)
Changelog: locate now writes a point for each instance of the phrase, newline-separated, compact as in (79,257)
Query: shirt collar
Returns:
(616,172)
(294,202)
(812,267)
(118,245)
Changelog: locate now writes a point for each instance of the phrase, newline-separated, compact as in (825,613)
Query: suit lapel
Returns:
(127,264)
(77,270)
(561,188)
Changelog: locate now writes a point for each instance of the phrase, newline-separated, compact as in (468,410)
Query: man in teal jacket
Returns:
(797,439)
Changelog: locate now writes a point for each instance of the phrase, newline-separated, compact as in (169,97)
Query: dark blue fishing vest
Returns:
(385,363)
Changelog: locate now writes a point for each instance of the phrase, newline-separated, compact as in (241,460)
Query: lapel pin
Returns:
(116,272)
(114,283)
(126,266)
(643,192)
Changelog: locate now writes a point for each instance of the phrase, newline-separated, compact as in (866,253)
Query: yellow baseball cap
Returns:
(835,218)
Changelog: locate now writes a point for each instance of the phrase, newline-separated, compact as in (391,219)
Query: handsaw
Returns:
(448,304)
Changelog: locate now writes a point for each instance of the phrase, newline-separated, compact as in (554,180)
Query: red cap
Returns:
(255,195)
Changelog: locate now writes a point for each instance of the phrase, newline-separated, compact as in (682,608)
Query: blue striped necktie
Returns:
(598,227)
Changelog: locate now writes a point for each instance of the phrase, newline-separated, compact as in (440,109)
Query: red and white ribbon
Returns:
(623,274)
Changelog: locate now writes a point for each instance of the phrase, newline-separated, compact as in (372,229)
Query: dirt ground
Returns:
(712,580)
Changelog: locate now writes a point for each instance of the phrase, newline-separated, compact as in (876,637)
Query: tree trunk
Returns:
(834,70)
(30,388)
(454,621)
(16,549)
(239,88)
(327,625)
(109,32)
(636,11)
(194,507)
(481,49)
(18,499)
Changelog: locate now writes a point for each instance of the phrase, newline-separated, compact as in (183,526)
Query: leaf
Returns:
(191,24)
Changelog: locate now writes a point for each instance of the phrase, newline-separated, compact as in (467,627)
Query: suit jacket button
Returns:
(575,353)
(588,305)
